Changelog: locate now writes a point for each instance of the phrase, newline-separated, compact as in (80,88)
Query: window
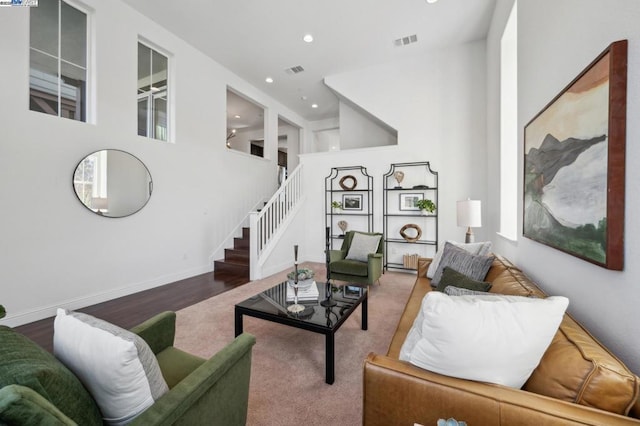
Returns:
(58,60)
(153,106)
(509,127)
(90,179)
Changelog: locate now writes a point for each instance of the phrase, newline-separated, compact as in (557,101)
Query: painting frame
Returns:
(587,117)
(352,202)
(408,201)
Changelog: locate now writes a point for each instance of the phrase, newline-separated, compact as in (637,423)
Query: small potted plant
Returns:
(336,205)
(305,277)
(426,206)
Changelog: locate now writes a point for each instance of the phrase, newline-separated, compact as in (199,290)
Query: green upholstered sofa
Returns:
(36,389)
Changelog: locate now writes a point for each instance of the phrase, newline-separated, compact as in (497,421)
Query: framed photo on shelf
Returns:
(352,202)
(408,201)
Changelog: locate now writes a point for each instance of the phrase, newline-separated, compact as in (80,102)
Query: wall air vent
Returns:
(294,70)
(403,41)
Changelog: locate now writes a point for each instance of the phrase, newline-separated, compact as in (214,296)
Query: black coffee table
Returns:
(271,305)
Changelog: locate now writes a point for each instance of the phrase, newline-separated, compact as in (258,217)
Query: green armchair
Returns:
(35,388)
(355,271)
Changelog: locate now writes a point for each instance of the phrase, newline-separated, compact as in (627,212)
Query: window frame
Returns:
(509,137)
(165,92)
(87,114)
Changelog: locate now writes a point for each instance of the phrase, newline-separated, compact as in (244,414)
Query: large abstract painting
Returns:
(574,164)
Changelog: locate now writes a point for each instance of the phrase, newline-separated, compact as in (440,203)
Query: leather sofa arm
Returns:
(423,266)
(158,331)
(396,392)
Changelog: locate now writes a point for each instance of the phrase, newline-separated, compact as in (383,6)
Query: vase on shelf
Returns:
(342,224)
(399,176)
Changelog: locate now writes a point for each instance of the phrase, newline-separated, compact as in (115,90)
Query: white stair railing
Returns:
(265,224)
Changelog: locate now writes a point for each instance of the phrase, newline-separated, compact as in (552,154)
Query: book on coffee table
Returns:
(309,293)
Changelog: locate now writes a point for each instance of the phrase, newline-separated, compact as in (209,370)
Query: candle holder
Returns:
(296,307)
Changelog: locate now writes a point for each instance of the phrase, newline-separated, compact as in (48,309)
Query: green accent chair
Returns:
(37,389)
(355,271)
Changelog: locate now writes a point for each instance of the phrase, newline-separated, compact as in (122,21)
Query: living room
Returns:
(445,106)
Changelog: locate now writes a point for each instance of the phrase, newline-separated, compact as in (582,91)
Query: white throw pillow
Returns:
(362,245)
(480,248)
(116,366)
(493,338)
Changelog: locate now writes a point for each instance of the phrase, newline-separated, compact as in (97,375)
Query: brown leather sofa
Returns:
(578,381)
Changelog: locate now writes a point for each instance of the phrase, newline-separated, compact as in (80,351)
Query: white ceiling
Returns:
(259,38)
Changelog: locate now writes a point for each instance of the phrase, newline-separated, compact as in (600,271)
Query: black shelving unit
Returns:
(353,187)
(419,181)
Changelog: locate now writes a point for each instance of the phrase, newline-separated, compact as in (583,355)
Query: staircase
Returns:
(236,260)
(268,224)
(246,259)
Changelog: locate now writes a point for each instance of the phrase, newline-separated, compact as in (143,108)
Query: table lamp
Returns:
(469,216)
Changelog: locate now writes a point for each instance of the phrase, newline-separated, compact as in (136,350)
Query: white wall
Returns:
(323,135)
(437,103)
(556,41)
(360,130)
(57,253)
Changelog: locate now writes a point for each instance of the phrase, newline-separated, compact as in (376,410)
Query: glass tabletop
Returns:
(274,302)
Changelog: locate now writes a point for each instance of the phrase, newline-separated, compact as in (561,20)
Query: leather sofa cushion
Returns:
(507,279)
(577,368)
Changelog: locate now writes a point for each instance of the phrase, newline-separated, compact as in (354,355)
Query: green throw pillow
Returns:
(27,364)
(454,278)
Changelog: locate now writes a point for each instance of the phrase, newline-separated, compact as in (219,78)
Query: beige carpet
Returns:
(288,364)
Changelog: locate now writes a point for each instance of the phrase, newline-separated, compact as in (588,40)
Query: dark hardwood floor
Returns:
(131,310)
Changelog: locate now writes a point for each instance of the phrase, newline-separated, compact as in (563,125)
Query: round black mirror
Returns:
(112,183)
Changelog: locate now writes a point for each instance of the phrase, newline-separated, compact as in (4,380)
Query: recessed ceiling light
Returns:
(431,1)
(308,38)
(303,97)
(268,80)
(314,105)
(236,116)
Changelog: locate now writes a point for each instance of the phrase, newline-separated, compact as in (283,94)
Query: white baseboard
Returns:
(48,311)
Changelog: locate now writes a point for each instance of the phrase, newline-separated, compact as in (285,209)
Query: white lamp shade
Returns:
(470,213)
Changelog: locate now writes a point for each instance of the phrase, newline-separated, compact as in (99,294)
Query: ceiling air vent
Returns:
(403,41)
(294,70)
